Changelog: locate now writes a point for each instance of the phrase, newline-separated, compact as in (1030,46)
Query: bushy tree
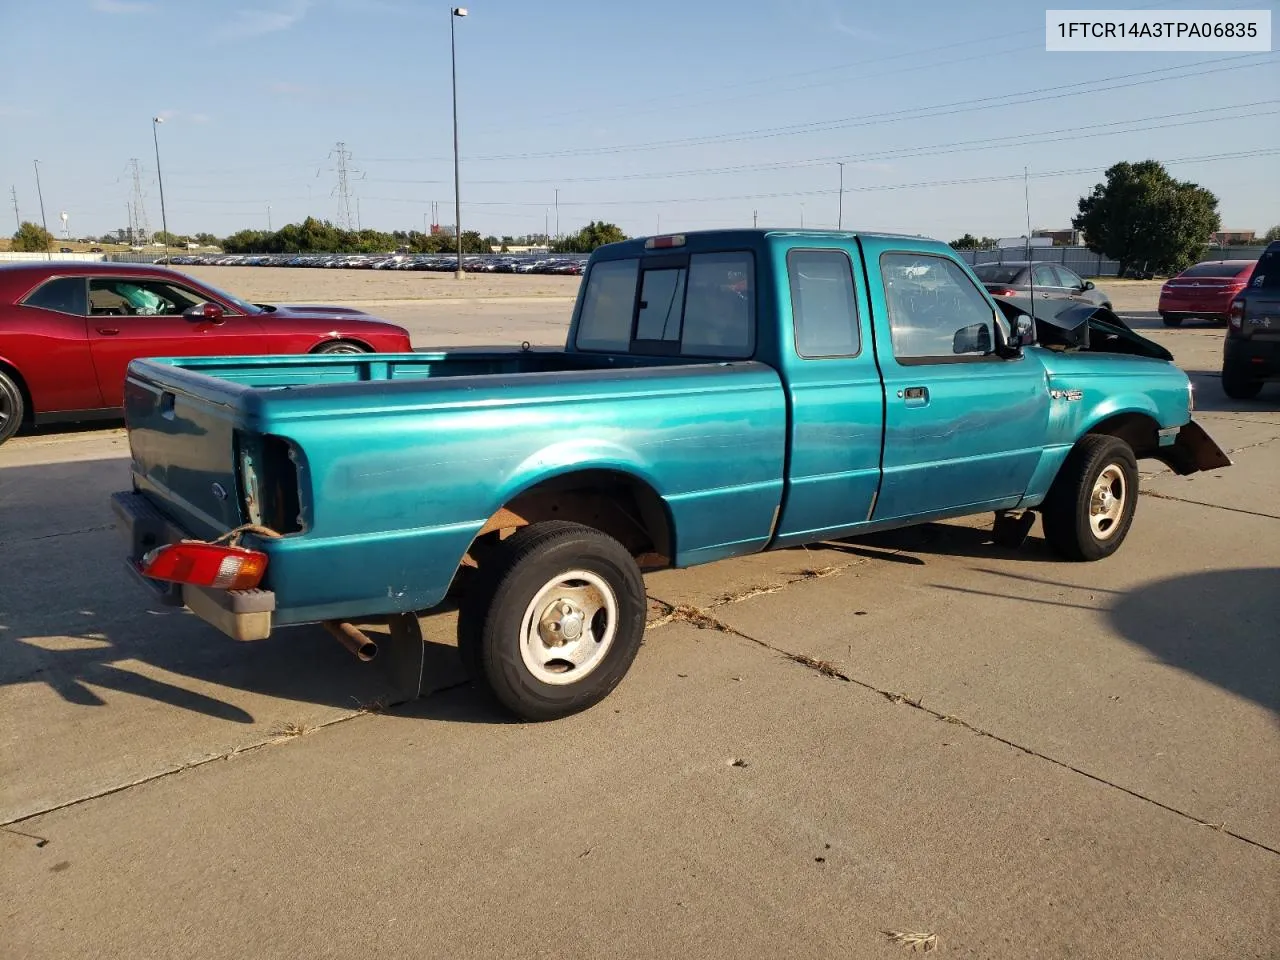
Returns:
(970,242)
(1142,216)
(1272,234)
(590,237)
(32,238)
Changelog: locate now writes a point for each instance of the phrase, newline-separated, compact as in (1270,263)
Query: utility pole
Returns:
(659,230)
(840,207)
(802,216)
(164,220)
(557,213)
(454,13)
(358,226)
(755,218)
(43,222)
(13,193)
(269,230)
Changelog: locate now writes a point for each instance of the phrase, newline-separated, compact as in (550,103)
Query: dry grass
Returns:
(290,729)
(916,941)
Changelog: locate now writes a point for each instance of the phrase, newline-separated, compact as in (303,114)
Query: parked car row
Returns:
(570,265)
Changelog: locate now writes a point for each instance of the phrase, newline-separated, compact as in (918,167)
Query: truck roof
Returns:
(706,239)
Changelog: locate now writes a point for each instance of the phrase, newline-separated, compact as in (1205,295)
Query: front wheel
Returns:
(341,346)
(1090,506)
(554,619)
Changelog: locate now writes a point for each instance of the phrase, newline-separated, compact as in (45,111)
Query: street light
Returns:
(457,190)
(840,207)
(164,220)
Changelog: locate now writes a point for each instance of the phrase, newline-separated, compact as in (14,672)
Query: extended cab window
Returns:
(935,312)
(64,295)
(702,306)
(1266,275)
(823,309)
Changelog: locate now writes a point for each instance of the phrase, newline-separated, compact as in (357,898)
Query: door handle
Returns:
(915,396)
(107,331)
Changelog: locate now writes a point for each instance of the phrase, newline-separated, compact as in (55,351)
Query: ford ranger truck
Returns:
(719,393)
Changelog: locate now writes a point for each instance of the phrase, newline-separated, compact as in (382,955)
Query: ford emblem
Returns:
(219,491)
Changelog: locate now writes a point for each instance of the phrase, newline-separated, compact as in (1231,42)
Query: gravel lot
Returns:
(1016,756)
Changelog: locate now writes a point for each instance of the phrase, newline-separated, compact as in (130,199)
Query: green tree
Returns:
(1142,216)
(32,238)
(590,237)
(967,242)
(206,239)
(1272,234)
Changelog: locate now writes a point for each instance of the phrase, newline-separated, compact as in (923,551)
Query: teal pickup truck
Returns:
(720,393)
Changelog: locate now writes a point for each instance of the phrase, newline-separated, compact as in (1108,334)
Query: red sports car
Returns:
(69,330)
(1205,290)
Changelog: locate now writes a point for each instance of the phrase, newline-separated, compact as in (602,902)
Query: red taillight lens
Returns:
(206,565)
(1235,315)
(1004,293)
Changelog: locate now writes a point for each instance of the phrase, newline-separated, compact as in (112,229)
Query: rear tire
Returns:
(1238,385)
(341,346)
(1091,504)
(13,407)
(554,619)
(1170,320)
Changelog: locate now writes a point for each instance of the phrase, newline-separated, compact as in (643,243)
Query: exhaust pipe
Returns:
(354,639)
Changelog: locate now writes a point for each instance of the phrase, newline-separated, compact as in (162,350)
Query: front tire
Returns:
(1238,385)
(553,620)
(341,346)
(1091,504)
(12,407)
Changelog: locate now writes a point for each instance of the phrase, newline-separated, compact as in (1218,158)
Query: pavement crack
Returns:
(685,613)
(1212,506)
(63,533)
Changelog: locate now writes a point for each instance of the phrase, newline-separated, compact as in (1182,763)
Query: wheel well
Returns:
(353,340)
(622,506)
(29,407)
(1138,430)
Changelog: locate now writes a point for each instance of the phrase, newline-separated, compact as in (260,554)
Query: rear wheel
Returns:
(341,346)
(12,407)
(1238,385)
(1170,320)
(553,620)
(1090,506)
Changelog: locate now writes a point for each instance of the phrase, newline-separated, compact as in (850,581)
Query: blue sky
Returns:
(654,115)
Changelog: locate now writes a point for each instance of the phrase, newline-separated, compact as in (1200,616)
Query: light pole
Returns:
(457,190)
(269,230)
(43,222)
(164,220)
(840,206)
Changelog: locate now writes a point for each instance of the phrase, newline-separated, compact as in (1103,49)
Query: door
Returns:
(964,428)
(835,396)
(131,317)
(1047,283)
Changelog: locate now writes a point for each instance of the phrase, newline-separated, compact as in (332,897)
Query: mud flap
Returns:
(402,657)
(1193,451)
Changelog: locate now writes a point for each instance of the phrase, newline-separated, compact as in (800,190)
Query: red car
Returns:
(69,330)
(1205,290)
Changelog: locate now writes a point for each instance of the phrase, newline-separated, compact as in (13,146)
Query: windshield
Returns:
(996,273)
(240,305)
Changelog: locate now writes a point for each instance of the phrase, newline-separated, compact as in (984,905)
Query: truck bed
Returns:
(403,457)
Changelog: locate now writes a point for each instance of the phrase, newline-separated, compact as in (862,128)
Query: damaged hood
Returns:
(1072,324)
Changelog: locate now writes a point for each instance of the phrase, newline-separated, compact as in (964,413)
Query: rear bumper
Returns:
(1260,357)
(240,614)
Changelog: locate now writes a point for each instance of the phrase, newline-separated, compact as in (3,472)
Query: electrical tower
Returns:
(343,190)
(13,194)
(138,217)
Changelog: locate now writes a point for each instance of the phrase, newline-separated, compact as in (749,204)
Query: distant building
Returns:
(1062,238)
(1225,238)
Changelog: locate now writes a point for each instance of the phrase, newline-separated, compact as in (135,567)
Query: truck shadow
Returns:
(1218,625)
(946,540)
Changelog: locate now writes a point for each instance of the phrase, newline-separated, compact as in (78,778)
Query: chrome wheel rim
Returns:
(568,627)
(1107,501)
(344,348)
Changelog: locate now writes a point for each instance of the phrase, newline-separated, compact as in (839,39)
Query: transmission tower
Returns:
(138,223)
(343,190)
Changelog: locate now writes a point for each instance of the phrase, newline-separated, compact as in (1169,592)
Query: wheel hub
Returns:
(562,623)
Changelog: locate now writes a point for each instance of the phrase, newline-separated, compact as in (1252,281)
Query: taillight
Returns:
(206,565)
(1235,315)
(1004,293)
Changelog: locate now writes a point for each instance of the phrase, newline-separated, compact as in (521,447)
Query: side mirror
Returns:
(204,311)
(975,338)
(1088,284)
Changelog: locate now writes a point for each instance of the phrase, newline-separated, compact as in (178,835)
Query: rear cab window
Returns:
(1266,275)
(690,305)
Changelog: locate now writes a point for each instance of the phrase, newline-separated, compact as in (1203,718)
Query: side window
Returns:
(605,321)
(138,296)
(719,313)
(1045,276)
(935,311)
(63,294)
(823,307)
(1068,279)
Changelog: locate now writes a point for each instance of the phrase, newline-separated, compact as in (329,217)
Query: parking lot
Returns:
(917,737)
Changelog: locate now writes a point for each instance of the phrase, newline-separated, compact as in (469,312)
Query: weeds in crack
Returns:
(916,941)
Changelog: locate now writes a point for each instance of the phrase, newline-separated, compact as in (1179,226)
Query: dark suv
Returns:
(1251,353)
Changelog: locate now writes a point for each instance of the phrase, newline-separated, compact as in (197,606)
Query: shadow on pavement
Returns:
(942,539)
